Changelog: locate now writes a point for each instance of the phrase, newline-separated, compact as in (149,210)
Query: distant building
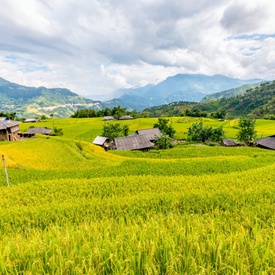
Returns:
(9,129)
(30,120)
(266,143)
(108,118)
(125,117)
(40,130)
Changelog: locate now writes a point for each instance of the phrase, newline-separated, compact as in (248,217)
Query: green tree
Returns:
(200,133)
(164,127)
(163,142)
(247,131)
(114,130)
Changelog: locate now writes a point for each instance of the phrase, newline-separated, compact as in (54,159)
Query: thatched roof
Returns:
(150,134)
(268,142)
(6,123)
(40,130)
(100,140)
(135,142)
(229,142)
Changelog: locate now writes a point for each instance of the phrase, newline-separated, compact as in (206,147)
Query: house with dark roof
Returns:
(39,130)
(9,129)
(266,143)
(133,142)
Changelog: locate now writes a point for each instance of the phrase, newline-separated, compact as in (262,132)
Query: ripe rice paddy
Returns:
(73,208)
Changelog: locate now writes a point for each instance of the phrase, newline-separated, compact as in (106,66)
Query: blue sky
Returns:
(95,47)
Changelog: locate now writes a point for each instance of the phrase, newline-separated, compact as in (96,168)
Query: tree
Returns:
(112,131)
(164,127)
(198,132)
(163,142)
(247,131)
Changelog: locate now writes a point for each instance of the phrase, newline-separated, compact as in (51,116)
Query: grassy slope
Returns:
(75,209)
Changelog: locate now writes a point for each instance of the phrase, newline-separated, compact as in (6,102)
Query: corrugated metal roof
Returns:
(99,140)
(136,142)
(6,123)
(268,142)
(150,134)
(40,130)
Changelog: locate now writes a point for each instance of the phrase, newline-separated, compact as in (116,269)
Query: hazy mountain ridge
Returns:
(181,87)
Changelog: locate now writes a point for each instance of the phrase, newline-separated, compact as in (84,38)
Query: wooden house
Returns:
(133,142)
(39,130)
(266,143)
(9,129)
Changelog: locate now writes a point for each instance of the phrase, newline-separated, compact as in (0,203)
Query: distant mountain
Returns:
(230,93)
(181,87)
(34,102)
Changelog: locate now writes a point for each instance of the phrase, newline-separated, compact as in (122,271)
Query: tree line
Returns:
(115,112)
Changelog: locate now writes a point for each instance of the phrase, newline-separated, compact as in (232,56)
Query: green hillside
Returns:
(230,93)
(256,102)
(33,102)
(73,208)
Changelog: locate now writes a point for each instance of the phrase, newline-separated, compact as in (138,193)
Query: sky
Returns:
(95,47)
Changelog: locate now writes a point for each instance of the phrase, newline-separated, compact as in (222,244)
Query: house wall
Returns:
(9,134)
(3,135)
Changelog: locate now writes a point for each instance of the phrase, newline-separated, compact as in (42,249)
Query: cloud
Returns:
(97,46)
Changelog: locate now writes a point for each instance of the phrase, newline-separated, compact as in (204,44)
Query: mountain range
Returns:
(256,102)
(181,87)
(33,102)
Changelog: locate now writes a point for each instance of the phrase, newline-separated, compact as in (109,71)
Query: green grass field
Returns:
(73,208)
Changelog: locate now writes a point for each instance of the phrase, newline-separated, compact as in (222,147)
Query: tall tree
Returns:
(247,131)
(164,127)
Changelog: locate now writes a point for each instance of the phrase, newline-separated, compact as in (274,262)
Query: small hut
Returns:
(102,141)
(107,118)
(229,143)
(31,120)
(125,117)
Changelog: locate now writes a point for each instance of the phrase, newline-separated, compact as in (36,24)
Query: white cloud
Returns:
(94,47)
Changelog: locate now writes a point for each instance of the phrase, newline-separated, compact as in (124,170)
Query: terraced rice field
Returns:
(73,208)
